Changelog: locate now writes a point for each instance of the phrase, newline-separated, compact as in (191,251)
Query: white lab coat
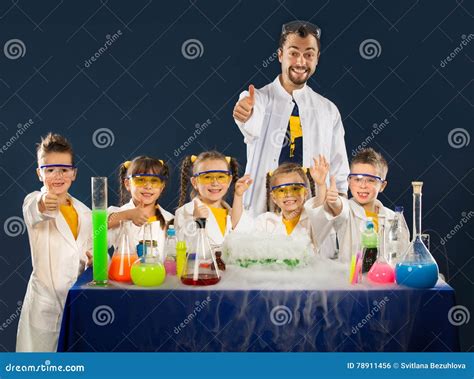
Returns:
(57,260)
(351,223)
(186,228)
(314,223)
(323,133)
(136,232)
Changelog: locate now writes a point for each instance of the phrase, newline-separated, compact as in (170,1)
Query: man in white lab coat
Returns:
(286,121)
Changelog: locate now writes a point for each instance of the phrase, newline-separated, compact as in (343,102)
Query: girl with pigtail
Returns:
(142,181)
(295,196)
(209,176)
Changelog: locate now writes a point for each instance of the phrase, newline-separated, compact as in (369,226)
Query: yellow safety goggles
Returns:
(209,177)
(144,180)
(289,189)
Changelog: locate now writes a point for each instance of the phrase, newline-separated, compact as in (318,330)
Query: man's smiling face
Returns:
(298,57)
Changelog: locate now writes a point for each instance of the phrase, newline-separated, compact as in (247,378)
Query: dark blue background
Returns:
(151,97)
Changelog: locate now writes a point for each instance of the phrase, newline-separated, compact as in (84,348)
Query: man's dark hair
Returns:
(302,29)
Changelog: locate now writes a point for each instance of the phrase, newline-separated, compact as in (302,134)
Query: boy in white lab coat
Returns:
(59,231)
(366,180)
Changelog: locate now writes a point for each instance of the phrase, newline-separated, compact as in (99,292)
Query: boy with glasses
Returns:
(366,180)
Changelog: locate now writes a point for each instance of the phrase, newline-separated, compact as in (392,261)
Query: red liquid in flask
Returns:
(203,280)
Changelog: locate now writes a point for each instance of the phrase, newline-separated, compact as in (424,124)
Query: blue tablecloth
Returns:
(179,318)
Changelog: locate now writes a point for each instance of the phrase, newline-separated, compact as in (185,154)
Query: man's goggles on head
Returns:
(64,170)
(293,26)
(365,178)
(211,176)
(288,189)
(143,180)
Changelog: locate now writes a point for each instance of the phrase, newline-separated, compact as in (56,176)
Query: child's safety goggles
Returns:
(366,179)
(63,170)
(289,189)
(211,176)
(145,180)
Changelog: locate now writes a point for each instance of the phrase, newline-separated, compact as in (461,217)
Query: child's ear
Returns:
(126,182)
(193,182)
(74,176)
(384,184)
(38,172)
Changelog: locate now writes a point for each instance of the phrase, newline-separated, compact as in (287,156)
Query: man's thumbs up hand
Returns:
(244,108)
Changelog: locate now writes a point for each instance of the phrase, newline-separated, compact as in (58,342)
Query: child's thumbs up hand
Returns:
(332,196)
(50,201)
(138,214)
(200,210)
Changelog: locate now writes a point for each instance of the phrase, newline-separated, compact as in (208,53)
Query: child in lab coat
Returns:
(210,175)
(367,178)
(289,190)
(142,181)
(59,231)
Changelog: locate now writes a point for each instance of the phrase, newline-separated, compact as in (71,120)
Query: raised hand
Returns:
(50,201)
(242,185)
(200,210)
(244,108)
(319,170)
(139,215)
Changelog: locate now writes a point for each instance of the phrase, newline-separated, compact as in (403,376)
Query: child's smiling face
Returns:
(290,202)
(57,182)
(364,192)
(146,194)
(215,190)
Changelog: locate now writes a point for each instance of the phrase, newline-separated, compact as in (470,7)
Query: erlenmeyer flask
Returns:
(201,268)
(148,271)
(417,267)
(124,256)
(381,271)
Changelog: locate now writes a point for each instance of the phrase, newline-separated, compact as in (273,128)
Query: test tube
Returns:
(99,230)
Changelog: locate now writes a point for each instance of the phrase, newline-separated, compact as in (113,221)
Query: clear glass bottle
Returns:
(201,267)
(170,251)
(397,237)
(370,246)
(417,267)
(124,256)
